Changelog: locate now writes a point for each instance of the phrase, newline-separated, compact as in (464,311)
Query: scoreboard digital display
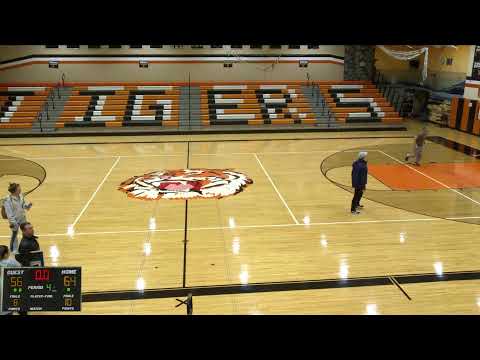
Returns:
(41,289)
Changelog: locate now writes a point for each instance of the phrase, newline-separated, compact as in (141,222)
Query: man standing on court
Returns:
(359,180)
(28,244)
(15,206)
(418,147)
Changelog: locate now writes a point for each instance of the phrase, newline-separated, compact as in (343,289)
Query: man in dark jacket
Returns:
(28,244)
(359,180)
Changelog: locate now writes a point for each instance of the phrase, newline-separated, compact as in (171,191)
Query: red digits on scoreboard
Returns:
(42,275)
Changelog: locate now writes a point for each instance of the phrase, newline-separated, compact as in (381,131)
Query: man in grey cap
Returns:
(359,180)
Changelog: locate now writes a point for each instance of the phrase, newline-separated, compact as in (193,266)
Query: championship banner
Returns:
(476,64)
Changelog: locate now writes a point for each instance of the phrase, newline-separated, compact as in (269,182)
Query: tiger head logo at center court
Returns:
(185,184)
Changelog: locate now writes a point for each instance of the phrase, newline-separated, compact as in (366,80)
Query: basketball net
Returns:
(407,55)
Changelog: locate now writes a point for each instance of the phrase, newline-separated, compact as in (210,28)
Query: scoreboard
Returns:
(41,289)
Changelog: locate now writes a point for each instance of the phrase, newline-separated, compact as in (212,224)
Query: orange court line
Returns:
(453,175)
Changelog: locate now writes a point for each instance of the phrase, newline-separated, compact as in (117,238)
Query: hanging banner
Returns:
(476,64)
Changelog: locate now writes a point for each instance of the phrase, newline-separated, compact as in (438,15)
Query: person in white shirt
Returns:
(15,206)
(6,261)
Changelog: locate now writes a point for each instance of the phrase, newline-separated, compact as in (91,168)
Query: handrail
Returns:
(189,103)
(40,118)
(51,97)
(392,92)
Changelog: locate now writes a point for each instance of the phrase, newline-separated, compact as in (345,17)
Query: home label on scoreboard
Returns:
(42,289)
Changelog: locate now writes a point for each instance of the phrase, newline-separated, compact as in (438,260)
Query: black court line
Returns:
(185,234)
(368,192)
(185,246)
(394,281)
(426,278)
(220,130)
(40,181)
(204,141)
(277,286)
(454,145)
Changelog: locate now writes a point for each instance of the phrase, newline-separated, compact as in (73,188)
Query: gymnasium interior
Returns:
(217,179)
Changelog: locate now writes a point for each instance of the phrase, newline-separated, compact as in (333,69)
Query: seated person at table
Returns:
(28,244)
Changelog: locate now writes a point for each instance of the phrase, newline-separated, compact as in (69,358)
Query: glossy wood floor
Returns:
(292,224)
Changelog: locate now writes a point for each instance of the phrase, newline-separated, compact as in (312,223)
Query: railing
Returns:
(189,103)
(40,119)
(319,100)
(46,110)
(395,94)
(43,110)
(50,101)
(51,97)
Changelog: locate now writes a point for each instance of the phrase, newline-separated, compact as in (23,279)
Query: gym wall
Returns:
(472,83)
(465,115)
(440,75)
(30,64)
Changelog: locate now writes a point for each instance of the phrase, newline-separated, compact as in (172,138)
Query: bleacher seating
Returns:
(254,105)
(197,104)
(117,106)
(358,103)
(20,105)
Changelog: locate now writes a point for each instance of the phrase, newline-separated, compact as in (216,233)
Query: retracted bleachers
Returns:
(254,105)
(20,105)
(116,106)
(359,103)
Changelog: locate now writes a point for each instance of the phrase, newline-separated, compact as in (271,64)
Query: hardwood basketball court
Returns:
(286,244)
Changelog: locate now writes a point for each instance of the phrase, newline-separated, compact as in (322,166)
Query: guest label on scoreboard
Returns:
(41,289)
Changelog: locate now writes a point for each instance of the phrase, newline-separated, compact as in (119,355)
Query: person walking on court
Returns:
(13,209)
(418,147)
(359,181)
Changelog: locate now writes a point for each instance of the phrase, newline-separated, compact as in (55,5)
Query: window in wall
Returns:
(135,46)
(294,46)
(94,46)
(51,46)
(216,46)
(115,46)
(197,46)
(236,46)
(256,46)
(312,46)
(73,46)
(275,46)
(156,46)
